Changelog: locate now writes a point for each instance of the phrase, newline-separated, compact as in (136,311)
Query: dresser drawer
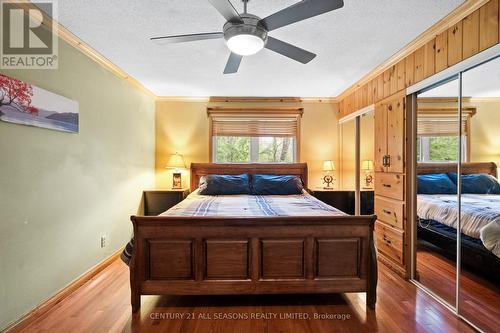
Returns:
(390,211)
(390,241)
(389,185)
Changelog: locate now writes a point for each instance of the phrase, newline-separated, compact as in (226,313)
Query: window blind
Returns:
(280,127)
(255,123)
(440,123)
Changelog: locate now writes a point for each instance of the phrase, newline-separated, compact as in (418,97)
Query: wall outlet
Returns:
(103,241)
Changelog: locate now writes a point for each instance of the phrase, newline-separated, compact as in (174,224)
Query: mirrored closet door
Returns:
(366,166)
(437,156)
(457,200)
(479,278)
(348,154)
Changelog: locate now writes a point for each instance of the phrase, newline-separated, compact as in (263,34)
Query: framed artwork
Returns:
(22,103)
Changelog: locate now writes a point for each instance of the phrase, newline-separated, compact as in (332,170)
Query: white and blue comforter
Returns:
(480,215)
(251,206)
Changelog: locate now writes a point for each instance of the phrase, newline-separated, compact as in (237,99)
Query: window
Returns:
(437,131)
(254,136)
(440,149)
(240,149)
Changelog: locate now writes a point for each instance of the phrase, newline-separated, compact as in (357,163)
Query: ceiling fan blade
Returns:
(227,10)
(233,63)
(288,50)
(187,38)
(300,11)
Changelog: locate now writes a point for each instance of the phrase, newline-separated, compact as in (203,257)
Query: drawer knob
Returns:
(388,241)
(387,211)
(386,185)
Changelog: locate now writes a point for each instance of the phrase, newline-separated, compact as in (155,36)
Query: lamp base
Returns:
(176,181)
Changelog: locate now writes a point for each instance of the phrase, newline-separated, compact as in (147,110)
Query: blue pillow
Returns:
(477,183)
(435,183)
(278,185)
(224,184)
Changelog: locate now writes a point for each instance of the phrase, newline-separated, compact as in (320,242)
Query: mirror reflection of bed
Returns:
(449,144)
(436,232)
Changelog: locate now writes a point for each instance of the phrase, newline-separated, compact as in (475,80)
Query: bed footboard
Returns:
(272,255)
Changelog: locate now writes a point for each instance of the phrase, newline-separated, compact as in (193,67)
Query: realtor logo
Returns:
(29,35)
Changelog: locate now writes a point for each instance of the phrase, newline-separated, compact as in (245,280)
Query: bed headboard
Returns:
(467,168)
(202,169)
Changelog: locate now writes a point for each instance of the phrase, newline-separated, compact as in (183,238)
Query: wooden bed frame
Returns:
(256,255)
(466,168)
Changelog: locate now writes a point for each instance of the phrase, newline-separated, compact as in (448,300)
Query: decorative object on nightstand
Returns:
(367,167)
(176,162)
(329,177)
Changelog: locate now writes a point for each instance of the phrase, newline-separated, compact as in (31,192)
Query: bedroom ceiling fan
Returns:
(247,34)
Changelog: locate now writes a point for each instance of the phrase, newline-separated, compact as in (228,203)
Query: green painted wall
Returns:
(60,192)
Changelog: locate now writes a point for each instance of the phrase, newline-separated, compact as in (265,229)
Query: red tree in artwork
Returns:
(16,92)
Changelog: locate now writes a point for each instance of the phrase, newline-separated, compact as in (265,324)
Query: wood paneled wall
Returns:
(471,35)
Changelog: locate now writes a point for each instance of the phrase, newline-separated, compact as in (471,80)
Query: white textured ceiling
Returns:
(348,42)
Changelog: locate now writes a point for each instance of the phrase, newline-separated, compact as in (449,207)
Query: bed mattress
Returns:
(480,215)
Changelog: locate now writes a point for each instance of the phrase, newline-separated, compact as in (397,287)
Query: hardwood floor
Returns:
(480,299)
(103,305)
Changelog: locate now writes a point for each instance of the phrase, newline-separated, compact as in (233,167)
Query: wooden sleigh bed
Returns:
(252,255)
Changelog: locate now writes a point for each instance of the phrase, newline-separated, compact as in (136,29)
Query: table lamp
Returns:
(367,167)
(328,178)
(176,162)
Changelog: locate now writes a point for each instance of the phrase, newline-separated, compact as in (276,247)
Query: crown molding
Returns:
(222,99)
(253,99)
(448,21)
(183,99)
(333,99)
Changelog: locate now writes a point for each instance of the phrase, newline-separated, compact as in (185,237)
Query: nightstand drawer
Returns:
(390,211)
(390,241)
(390,185)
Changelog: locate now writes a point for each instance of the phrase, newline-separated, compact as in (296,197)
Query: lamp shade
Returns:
(176,161)
(367,165)
(328,166)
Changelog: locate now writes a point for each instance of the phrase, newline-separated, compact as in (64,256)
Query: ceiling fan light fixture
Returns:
(247,37)
(246,34)
(245,44)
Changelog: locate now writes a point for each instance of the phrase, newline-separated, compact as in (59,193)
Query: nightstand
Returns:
(158,201)
(343,199)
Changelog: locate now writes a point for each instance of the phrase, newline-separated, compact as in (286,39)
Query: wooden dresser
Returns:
(389,165)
